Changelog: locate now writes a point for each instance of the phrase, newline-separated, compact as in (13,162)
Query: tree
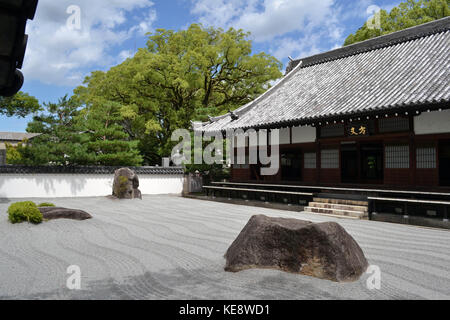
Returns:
(180,76)
(60,142)
(407,14)
(20,105)
(107,143)
(13,154)
(75,136)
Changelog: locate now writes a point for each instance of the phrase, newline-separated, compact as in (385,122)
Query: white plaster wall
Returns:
(240,141)
(303,134)
(79,185)
(432,122)
(285,136)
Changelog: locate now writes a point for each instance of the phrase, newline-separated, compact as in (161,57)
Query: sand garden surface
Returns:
(168,247)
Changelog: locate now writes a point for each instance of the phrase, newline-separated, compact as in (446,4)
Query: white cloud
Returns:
(61,55)
(125,54)
(296,48)
(264,19)
(296,28)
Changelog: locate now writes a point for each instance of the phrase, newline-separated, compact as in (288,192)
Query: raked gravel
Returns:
(168,247)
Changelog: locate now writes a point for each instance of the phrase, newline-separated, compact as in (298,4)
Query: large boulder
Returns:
(126,184)
(321,250)
(52,213)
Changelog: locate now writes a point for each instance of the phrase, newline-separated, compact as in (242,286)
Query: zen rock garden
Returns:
(321,250)
(126,184)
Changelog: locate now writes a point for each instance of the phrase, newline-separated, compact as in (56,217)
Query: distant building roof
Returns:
(17,136)
(408,68)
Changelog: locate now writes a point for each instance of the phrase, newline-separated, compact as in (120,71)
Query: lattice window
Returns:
(426,158)
(330,159)
(397,157)
(310,160)
(397,124)
(337,130)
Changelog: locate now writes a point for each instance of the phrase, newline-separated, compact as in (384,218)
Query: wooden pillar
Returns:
(318,162)
(412,153)
(359,159)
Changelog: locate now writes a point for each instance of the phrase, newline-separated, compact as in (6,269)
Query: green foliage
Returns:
(210,172)
(71,135)
(46,204)
(180,76)
(24,211)
(407,14)
(215,172)
(107,142)
(60,142)
(19,105)
(13,153)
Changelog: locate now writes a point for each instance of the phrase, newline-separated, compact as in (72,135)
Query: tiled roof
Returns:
(400,70)
(86,170)
(16,136)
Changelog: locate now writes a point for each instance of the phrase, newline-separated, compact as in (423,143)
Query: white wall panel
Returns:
(80,185)
(285,136)
(303,134)
(432,122)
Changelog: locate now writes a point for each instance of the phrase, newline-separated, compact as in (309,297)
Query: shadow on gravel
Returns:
(209,284)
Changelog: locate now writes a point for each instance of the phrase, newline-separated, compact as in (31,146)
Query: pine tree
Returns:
(107,143)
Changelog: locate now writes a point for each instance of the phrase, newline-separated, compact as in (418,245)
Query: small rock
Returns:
(321,250)
(51,213)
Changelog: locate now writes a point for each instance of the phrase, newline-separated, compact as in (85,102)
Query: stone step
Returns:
(337,216)
(342,201)
(339,206)
(337,212)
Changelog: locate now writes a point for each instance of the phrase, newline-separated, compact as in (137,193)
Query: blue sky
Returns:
(59,57)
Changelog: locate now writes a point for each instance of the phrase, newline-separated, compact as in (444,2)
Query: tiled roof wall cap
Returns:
(13,169)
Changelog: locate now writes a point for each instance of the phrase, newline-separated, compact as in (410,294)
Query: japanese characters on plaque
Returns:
(358,130)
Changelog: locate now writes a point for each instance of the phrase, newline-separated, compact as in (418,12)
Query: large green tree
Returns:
(19,105)
(407,14)
(181,76)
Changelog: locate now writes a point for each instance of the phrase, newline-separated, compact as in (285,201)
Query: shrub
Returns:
(24,211)
(46,204)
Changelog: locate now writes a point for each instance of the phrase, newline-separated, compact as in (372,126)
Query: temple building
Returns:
(376,113)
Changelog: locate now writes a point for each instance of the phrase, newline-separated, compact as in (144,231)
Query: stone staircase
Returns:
(353,209)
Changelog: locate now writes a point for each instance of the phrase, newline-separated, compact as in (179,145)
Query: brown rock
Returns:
(51,213)
(321,250)
(126,184)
